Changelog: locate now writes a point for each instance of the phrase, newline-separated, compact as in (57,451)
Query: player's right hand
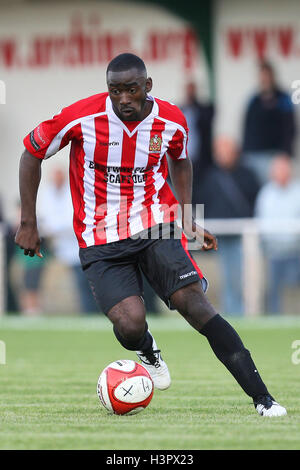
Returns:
(27,238)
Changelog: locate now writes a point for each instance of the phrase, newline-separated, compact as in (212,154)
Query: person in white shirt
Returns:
(277,205)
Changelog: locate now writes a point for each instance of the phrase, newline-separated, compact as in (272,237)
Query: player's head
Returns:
(128,85)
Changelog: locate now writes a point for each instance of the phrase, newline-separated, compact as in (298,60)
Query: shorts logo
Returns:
(155,144)
(191,273)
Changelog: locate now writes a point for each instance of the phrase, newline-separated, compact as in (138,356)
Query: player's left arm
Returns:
(181,174)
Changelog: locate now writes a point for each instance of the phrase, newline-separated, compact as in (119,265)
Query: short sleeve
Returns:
(178,145)
(50,136)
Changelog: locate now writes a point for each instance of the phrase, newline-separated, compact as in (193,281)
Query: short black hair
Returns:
(126,61)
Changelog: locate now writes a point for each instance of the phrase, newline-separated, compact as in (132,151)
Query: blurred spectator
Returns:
(278,202)
(55,215)
(27,289)
(30,290)
(12,303)
(10,300)
(229,191)
(199,118)
(269,125)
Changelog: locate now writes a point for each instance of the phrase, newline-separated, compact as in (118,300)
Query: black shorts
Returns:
(114,270)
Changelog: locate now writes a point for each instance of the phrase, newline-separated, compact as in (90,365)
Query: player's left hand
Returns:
(207,240)
(210,241)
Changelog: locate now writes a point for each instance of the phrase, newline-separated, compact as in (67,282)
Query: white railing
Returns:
(253,272)
(250,230)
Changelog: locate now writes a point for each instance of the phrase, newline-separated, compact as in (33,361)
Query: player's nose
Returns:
(125,99)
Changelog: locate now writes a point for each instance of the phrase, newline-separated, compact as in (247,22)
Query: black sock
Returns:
(229,349)
(142,344)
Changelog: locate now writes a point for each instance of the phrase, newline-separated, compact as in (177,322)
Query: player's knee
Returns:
(187,299)
(133,332)
(128,318)
(193,305)
(200,310)
(131,329)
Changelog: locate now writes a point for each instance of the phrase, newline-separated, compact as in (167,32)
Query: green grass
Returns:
(48,388)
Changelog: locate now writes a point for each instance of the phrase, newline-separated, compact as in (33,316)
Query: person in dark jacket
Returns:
(269,124)
(199,116)
(229,191)
(10,302)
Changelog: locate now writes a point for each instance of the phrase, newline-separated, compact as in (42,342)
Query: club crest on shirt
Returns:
(155,144)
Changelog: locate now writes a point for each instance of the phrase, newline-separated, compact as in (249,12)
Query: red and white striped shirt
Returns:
(118,169)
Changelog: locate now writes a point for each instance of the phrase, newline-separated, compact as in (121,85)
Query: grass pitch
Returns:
(48,388)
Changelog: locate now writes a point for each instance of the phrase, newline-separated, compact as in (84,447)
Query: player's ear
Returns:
(148,84)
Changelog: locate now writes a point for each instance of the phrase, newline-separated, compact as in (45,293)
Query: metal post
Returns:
(252,271)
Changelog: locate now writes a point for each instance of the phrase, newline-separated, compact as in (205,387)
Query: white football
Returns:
(125,387)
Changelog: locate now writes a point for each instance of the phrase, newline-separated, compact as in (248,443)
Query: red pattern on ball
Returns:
(115,377)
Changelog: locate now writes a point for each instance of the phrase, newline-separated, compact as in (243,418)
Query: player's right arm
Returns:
(27,236)
(44,141)
(41,143)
